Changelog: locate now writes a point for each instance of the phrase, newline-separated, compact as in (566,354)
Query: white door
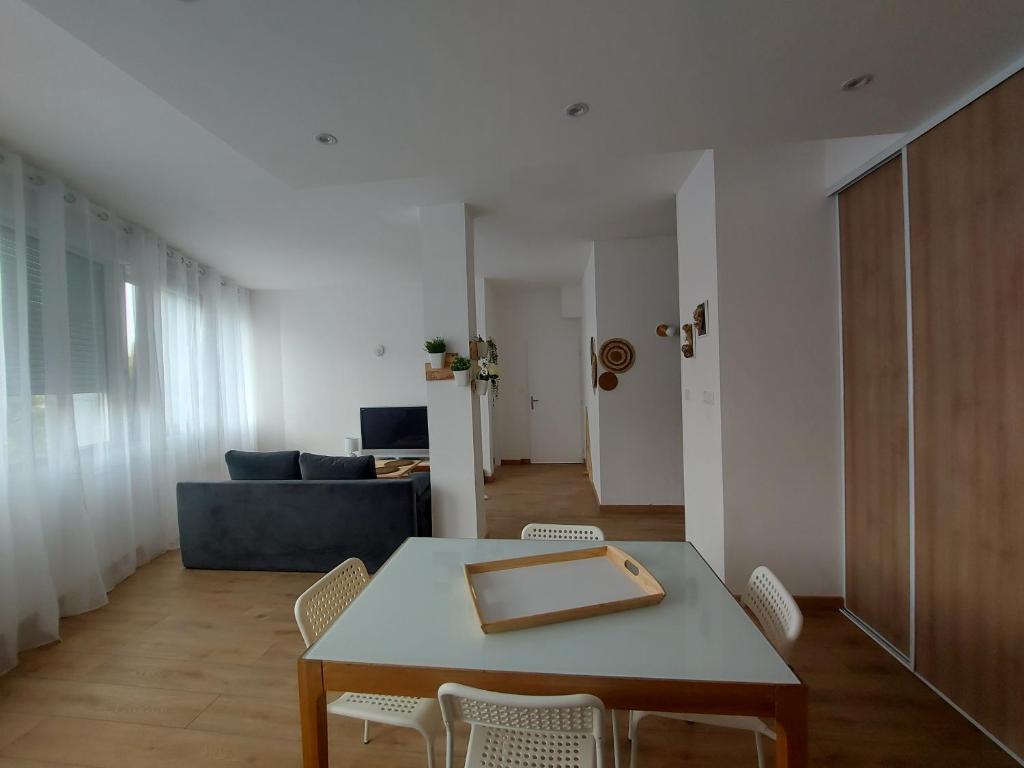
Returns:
(553,372)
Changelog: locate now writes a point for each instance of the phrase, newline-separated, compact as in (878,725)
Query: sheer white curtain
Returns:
(125,367)
(206,353)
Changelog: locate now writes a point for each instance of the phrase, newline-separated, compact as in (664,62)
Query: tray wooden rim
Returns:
(643,578)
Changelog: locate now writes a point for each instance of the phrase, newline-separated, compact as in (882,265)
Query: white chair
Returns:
(510,731)
(559,532)
(315,610)
(781,621)
(556,532)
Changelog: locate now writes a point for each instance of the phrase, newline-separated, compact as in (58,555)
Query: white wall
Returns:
(640,434)
(780,401)
(701,402)
(843,157)
(591,406)
(511,409)
(522,312)
(453,412)
(572,308)
(572,300)
(315,365)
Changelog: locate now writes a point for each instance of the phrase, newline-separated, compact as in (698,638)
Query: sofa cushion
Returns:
(315,467)
(263,465)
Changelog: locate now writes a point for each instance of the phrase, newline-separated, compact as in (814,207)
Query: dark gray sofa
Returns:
(299,525)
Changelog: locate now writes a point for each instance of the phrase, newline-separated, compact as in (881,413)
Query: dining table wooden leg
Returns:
(313,714)
(791,746)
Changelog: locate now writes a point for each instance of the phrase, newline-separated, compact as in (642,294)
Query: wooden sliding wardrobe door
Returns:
(967,257)
(875,402)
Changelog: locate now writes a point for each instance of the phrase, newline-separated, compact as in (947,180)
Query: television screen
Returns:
(394,429)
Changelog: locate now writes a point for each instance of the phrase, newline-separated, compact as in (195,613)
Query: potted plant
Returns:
(435,351)
(487,377)
(461,367)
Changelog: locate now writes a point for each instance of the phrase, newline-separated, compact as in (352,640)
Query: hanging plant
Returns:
(488,365)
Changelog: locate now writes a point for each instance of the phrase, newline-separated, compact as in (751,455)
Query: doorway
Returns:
(553,374)
(539,415)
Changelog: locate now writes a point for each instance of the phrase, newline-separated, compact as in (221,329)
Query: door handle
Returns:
(532,401)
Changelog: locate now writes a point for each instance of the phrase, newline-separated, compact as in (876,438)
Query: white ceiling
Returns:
(196,118)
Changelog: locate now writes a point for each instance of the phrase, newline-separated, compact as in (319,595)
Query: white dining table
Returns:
(414,627)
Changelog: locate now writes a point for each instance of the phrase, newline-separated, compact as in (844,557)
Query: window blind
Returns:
(87,324)
(86,318)
(12,339)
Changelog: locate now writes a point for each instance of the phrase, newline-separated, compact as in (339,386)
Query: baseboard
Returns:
(515,461)
(819,602)
(646,509)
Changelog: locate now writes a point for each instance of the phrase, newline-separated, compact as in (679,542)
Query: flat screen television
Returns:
(395,431)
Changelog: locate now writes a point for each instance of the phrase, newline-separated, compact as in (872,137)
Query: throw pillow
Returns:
(316,467)
(263,465)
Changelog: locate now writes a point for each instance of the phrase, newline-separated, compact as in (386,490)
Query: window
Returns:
(91,423)
(87,324)
(131,297)
(87,334)
(11,303)
(180,318)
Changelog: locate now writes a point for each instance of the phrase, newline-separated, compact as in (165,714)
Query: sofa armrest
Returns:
(423,521)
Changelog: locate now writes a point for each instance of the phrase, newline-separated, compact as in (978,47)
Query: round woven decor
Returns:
(617,355)
(608,381)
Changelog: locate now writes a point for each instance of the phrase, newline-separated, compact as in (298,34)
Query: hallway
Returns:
(561,493)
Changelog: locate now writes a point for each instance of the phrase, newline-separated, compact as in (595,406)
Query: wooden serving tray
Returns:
(524,592)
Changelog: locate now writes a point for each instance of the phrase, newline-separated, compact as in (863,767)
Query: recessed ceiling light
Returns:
(327,139)
(856,83)
(577,109)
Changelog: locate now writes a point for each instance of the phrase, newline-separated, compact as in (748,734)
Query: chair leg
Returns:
(366,731)
(759,743)
(430,750)
(634,745)
(631,727)
(615,739)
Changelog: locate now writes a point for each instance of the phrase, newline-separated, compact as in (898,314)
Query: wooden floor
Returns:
(197,669)
(561,493)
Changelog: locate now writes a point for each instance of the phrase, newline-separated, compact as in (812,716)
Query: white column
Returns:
(449,310)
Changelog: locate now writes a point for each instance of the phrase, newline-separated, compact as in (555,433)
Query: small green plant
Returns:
(461,364)
(435,345)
